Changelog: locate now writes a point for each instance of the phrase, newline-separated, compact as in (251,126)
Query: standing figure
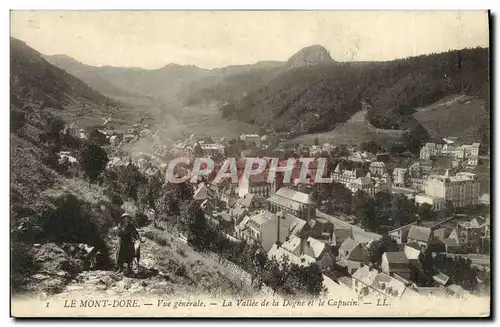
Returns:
(127,234)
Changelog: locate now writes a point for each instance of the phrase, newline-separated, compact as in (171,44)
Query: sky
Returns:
(209,39)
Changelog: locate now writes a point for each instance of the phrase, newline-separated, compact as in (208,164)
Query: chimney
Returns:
(302,245)
(279,215)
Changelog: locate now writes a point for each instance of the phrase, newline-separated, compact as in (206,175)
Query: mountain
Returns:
(39,92)
(240,80)
(186,84)
(35,80)
(164,82)
(312,99)
(310,56)
(231,85)
(88,74)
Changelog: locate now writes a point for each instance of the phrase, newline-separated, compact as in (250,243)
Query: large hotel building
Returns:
(461,189)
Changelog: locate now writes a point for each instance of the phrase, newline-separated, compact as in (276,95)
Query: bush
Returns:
(162,241)
(17,120)
(181,252)
(149,235)
(181,270)
(141,219)
(93,160)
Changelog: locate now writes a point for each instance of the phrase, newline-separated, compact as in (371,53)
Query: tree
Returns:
(370,146)
(396,148)
(403,210)
(341,197)
(149,192)
(192,220)
(97,137)
(379,247)
(449,208)
(415,138)
(130,180)
(93,160)
(425,212)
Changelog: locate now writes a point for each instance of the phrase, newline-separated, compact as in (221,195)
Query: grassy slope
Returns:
(356,130)
(454,116)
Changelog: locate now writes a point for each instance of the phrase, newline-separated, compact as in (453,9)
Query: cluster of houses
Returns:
(287,226)
(355,179)
(457,234)
(451,148)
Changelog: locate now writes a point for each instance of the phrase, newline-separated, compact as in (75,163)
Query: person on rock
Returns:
(128,235)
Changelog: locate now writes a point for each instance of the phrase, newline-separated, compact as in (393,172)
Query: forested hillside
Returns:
(317,98)
(425,79)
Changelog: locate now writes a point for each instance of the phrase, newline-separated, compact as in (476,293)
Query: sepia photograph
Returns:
(330,164)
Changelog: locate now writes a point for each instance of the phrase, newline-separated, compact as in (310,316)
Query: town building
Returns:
(303,251)
(367,280)
(395,263)
(255,184)
(417,183)
(345,176)
(431,150)
(377,168)
(400,177)
(469,235)
(436,203)
(400,235)
(297,203)
(365,184)
(351,256)
(251,139)
(485,199)
(412,251)
(266,228)
(461,190)
(450,148)
(420,235)
(212,149)
(415,170)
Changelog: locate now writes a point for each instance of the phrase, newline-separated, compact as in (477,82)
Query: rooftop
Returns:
(294,195)
(419,233)
(396,258)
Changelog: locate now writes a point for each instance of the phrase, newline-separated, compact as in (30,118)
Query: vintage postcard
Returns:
(250,164)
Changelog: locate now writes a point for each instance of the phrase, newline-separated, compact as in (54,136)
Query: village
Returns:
(291,221)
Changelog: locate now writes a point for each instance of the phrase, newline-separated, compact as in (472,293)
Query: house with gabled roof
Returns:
(201,193)
(377,168)
(353,250)
(400,234)
(303,251)
(266,228)
(412,251)
(367,280)
(396,263)
(420,235)
(351,256)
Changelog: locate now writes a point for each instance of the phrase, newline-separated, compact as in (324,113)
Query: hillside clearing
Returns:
(356,130)
(461,116)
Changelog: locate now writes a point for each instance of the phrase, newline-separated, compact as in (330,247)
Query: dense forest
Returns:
(317,98)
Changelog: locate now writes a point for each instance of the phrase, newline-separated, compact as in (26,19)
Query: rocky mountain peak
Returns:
(308,56)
